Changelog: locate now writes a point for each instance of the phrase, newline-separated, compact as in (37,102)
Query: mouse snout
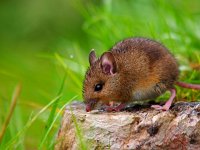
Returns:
(90,104)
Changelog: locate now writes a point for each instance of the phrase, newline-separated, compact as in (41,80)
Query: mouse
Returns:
(134,69)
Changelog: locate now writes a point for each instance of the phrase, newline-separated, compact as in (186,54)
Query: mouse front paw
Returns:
(118,108)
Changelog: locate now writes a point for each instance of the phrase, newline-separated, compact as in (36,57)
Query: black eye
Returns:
(98,87)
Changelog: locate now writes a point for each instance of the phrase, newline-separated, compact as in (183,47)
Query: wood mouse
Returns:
(135,69)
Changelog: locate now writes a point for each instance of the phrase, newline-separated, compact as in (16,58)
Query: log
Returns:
(138,128)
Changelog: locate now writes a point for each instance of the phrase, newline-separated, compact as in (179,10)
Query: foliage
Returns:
(45,45)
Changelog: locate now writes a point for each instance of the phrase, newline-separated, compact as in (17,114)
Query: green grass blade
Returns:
(29,123)
(68,72)
(80,137)
(53,122)
(52,113)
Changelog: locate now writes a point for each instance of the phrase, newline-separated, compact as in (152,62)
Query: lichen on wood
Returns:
(143,128)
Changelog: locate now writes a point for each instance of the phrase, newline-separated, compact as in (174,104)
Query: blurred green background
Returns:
(44,41)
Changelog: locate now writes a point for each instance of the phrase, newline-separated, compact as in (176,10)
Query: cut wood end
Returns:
(143,128)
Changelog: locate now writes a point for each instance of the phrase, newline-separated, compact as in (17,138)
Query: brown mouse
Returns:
(135,69)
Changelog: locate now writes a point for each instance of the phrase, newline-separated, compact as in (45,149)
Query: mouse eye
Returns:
(98,87)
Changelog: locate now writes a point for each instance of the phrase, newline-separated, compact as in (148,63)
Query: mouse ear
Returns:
(108,63)
(92,57)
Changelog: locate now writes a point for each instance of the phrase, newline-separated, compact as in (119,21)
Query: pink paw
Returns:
(118,108)
(111,109)
(158,107)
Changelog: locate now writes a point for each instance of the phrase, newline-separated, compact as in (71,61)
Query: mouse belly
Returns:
(149,93)
(141,95)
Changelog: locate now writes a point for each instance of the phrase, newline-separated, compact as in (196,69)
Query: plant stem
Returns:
(15,96)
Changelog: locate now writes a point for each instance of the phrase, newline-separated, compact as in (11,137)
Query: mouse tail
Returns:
(188,85)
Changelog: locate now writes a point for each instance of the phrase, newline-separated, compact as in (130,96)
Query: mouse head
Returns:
(101,82)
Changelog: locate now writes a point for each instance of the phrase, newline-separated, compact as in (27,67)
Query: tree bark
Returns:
(138,128)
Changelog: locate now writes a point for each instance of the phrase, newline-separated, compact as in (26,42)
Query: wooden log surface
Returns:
(140,128)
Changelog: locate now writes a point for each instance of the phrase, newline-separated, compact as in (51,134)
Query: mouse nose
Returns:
(90,104)
(88,108)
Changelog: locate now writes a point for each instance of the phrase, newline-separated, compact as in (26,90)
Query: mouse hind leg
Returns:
(168,103)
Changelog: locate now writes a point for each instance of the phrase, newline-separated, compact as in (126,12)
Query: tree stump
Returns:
(138,128)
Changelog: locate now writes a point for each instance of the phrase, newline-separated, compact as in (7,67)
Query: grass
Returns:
(12,107)
(47,52)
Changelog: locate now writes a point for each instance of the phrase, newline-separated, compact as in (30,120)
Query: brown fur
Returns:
(145,69)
